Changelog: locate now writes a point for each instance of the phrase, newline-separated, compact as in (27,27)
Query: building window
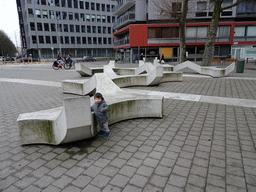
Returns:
(63,3)
(36,2)
(251,31)
(98,18)
(104,30)
(43,2)
(93,6)
(113,19)
(60,27)
(108,19)
(50,2)
(99,29)
(65,26)
(41,39)
(54,39)
(97,6)
(82,17)
(163,32)
(51,14)
(76,17)
(109,41)
(57,3)
(39,27)
(239,31)
(88,17)
(34,40)
(104,40)
(71,28)
(93,18)
(53,27)
(38,13)
(78,28)
(87,6)
(83,28)
(201,6)
(89,40)
(223,31)
(104,18)
(102,7)
(81,4)
(46,27)
(66,40)
(88,29)
(64,15)
(48,39)
(112,8)
(95,40)
(73,41)
(58,15)
(108,8)
(30,13)
(32,26)
(100,40)
(84,40)
(109,30)
(75,4)
(70,16)
(78,40)
(61,40)
(69,3)
(93,29)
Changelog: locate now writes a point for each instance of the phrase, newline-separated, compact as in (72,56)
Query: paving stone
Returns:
(111,188)
(91,188)
(191,188)
(57,172)
(139,181)
(236,181)
(217,170)
(119,180)
(134,162)
(158,180)
(127,171)
(25,182)
(100,181)
(44,182)
(169,188)
(163,171)
(92,171)
(151,162)
(32,188)
(231,188)
(177,180)
(62,182)
(74,171)
(151,188)
(216,181)
(197,181)
(182,171)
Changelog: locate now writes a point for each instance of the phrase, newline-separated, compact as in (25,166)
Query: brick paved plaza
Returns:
(196,146)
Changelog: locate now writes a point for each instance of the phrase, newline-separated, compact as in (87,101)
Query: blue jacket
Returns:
(101,117)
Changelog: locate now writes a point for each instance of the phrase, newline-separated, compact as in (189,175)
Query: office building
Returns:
(141,29)
(82,27)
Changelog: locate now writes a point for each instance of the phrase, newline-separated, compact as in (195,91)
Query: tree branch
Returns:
(230,6)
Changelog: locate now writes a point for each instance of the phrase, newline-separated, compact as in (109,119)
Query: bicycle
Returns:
(71,64)
(56,65)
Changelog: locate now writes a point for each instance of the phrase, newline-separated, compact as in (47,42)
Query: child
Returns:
(100,109)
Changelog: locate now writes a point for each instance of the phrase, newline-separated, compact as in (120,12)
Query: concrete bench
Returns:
(212,71)
(71,122)
(74,121)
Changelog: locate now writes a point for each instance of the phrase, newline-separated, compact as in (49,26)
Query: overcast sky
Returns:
(9,19)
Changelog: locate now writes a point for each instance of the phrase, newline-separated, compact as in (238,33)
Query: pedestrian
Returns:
(162,59)
(100,109)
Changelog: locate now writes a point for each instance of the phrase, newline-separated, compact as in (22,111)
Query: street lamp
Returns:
(52,48)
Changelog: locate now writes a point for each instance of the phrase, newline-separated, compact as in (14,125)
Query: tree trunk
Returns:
(182,31)
(209,46)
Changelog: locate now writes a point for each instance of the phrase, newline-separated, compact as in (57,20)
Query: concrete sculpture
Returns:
(212,71)
(74,121)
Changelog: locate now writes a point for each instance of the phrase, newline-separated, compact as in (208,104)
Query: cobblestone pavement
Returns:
(195,147)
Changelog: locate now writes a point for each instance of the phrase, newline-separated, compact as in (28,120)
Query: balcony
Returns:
(123,6)
(124,20)
(121,42)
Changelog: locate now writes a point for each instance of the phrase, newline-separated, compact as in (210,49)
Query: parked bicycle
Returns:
(56,65)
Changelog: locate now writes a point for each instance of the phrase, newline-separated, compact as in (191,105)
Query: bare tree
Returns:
(173,11)
(209,46)
(6,45)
